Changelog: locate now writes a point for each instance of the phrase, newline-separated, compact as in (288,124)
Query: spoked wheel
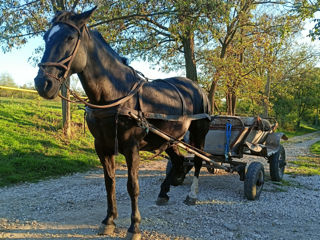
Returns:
(277,163)
(254,181)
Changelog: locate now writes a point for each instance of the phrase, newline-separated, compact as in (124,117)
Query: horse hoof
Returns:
(162,201)
(190,201)
(133,236)
(106,229)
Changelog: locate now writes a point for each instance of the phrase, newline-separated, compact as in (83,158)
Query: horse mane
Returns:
(98,36)
(62,16)
(65,16)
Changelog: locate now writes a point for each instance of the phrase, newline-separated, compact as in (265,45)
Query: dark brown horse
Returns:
(173,105)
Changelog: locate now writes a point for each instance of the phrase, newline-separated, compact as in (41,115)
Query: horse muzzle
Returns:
(46,86)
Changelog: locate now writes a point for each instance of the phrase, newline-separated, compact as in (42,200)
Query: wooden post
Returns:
(66,113)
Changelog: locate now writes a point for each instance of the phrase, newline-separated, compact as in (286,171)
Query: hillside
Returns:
(32,145)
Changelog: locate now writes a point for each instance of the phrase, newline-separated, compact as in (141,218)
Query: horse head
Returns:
(65,52)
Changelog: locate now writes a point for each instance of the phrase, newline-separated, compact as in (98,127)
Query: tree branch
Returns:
(130,16)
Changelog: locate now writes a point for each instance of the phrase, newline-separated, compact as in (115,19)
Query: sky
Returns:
(16,64)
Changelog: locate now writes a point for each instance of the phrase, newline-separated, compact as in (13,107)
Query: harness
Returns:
(65,63)
(115,109)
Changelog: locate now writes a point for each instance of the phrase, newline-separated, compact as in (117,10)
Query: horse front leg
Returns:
(107,160)
(132,159)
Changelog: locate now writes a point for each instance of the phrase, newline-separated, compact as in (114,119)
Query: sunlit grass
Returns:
(33,146)
(309,165)
(304,129)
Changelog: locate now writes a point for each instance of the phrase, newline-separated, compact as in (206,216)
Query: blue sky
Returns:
(16,64)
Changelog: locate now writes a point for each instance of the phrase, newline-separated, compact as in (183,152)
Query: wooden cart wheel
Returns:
(277,163)
(254,181)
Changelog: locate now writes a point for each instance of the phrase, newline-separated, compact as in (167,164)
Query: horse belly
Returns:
(175,129)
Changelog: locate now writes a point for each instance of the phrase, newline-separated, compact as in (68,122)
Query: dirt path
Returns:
(72,207)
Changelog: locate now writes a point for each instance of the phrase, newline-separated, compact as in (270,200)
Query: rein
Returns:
(66,65)
(135,88)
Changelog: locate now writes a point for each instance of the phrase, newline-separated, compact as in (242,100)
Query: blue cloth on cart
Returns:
(228,138)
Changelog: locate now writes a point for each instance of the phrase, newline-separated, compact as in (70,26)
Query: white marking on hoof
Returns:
(133,236)
(106,229)
(194,188)
(55,29)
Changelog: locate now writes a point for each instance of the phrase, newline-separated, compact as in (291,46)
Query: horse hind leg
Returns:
(198,131)
(108,226)
(172,175)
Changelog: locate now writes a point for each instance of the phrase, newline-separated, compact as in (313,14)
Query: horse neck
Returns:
(105,78)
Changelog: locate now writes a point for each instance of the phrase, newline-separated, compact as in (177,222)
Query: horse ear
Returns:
(82,18)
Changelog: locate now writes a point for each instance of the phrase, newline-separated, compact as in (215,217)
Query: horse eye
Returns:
(70,38)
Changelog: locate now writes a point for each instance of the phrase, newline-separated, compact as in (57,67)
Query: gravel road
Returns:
(72,207)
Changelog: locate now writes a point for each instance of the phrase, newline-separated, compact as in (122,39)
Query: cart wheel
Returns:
(277,163)
(254,181)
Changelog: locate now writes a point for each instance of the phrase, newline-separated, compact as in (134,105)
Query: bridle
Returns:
(67,62)
(66,65)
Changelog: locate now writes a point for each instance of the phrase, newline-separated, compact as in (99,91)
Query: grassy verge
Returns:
(33,147)
(304,129)
(308,165)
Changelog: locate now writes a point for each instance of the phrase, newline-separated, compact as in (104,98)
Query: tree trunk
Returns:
(211,95)
(267,96)
(316,122)
(66,114)
(231,100)
(233,104)
(190,61)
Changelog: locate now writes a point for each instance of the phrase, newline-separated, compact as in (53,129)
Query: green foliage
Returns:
(7,80)
(22,20)
(245,47)
(297,131)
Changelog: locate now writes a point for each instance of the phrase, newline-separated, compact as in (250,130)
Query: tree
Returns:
(22,20)
(7,80)
(165,33)
(248,38)
(295,90)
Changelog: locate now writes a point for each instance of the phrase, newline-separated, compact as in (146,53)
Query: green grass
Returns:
(304,129)
(308,166)
(315,148)
(32,144)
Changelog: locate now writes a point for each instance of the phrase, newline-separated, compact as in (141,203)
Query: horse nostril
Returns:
(47,85)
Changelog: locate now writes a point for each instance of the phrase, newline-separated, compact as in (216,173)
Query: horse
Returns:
(116,93)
